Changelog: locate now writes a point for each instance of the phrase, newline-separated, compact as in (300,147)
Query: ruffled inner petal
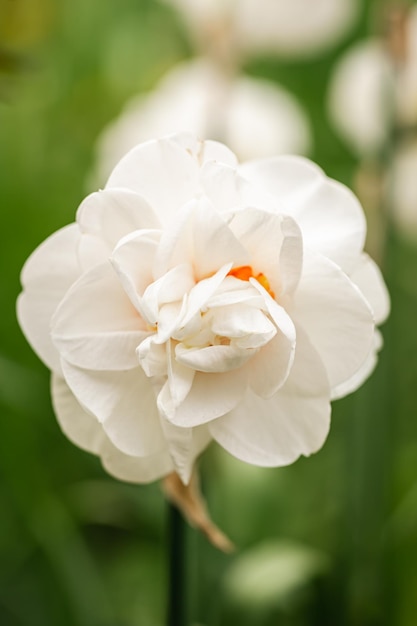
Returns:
(163,171)
(213,359)
(275,245)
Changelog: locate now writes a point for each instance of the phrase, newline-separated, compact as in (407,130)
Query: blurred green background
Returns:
(329,541)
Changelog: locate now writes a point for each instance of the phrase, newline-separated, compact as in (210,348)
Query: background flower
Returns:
(225,313)
(363,121)
(270,25)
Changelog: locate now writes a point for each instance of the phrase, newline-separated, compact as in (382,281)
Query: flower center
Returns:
(245,272)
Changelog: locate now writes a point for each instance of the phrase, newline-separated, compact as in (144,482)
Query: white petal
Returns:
(185,444)
(164,172)
(80,427)
(113,213)
(216,151)
(46,276)
(275,245)
(235,291)
(214,243)
(329,215)
(279,315)
(367,276)
(213,358)
(96,325)
(169,289)
(335,315)
(202,292)
(92,251)
(248,325)
(133,260)
(124,403)
(226,188)
(362,373)
(295,421)
(211,395)
(85,431)
(202,238)
(152,357)
(269,368)
(134,469)
(180,378)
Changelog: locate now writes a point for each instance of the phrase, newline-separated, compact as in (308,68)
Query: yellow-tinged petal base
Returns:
(245,272)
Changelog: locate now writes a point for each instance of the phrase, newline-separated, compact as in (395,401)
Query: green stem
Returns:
(177,601)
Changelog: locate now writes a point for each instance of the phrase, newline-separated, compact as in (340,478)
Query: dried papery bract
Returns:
(189,500)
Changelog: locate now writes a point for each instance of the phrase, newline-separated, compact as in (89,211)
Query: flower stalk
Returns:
(177,583)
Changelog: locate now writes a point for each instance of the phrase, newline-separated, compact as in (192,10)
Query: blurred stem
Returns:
(177,600)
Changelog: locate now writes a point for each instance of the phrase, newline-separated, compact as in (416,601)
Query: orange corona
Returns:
(244,272)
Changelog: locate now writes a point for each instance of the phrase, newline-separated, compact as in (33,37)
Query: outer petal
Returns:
(335,316)
(295,421)
(367,276)
(85,431)
(78,425)
(135,469)
(164,172)
(48,273)
(96,326)
(124,403)
(329,215)
(363,372)
(113,213)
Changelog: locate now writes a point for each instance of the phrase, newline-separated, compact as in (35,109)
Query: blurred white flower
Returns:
(369,92)
(196,299)
(297,28)
(360,96)
(254,117)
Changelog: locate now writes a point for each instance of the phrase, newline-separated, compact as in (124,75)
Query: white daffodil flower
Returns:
(196,299)
(259,117)
(297,28)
